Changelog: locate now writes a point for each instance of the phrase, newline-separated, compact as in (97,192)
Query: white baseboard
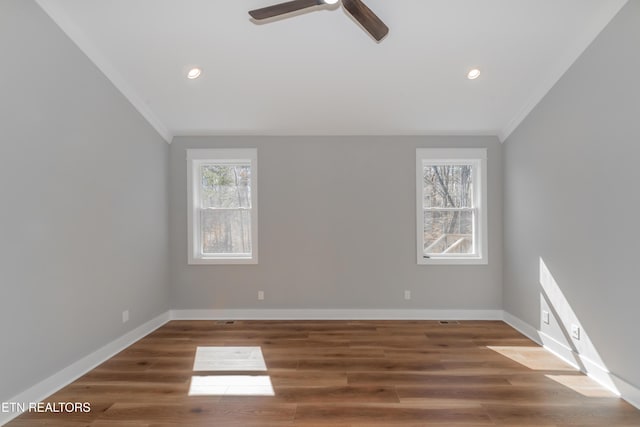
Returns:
(55,382)
(597,372)
(50,385)
(594,370)
(522,327)
(628,392)
(562,351)
(74,371)
(335,314)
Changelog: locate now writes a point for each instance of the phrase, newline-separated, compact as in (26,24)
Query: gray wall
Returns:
(571,199)
(83,221)
(336,229)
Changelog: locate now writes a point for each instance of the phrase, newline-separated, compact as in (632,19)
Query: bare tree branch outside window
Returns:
(448,208)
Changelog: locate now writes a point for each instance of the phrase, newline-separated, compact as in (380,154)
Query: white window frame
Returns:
(196,158)
(443,156)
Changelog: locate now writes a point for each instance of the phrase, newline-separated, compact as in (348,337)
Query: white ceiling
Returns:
(319,73)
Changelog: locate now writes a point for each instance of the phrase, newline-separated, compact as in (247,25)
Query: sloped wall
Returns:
(83,193)
(571,204)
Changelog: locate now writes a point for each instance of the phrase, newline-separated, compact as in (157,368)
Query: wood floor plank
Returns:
(444,380)
(387,415)
(322,352)
(334,394)
(613,414)
(370,365)
(340,374)
(188,411)
(50,422)
(520,395)
(62,418)
(118,392)
(308,378)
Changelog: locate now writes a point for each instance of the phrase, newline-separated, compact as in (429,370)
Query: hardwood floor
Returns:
(336,373)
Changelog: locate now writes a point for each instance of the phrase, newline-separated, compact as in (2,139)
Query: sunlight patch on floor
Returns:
(231,385)
(535,358)
(582,384)
(229,359)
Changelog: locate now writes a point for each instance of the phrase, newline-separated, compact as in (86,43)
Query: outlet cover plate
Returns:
(575,331)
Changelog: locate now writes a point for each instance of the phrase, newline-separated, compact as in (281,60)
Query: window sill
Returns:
(453,261)
(222,261)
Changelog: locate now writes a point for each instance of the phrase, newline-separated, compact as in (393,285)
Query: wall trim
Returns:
(50,385)
(335,314)
(55,382)
(564,352)
(595,371)
(522,327)
(627,391)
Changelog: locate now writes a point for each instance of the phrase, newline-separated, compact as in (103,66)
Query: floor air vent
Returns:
(448,322)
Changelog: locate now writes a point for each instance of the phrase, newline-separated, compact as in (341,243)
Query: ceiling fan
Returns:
(356,8)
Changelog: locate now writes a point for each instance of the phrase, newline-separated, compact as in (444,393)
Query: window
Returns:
(451,206)
(223,209)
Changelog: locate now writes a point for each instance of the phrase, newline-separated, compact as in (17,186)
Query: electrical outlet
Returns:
(545,317)
(575,331)
(407,295)
(125,316)
(260,295)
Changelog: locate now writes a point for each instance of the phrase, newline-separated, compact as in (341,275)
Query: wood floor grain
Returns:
(340,374)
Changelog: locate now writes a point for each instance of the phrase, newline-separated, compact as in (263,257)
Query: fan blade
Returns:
(366,18)
(283,8)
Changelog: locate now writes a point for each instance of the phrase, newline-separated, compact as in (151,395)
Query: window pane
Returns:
(448,232)
(225,186)
(448,186)
(226,231)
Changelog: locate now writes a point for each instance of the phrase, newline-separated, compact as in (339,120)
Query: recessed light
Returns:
(330,1)
(194,73)
(473,74)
